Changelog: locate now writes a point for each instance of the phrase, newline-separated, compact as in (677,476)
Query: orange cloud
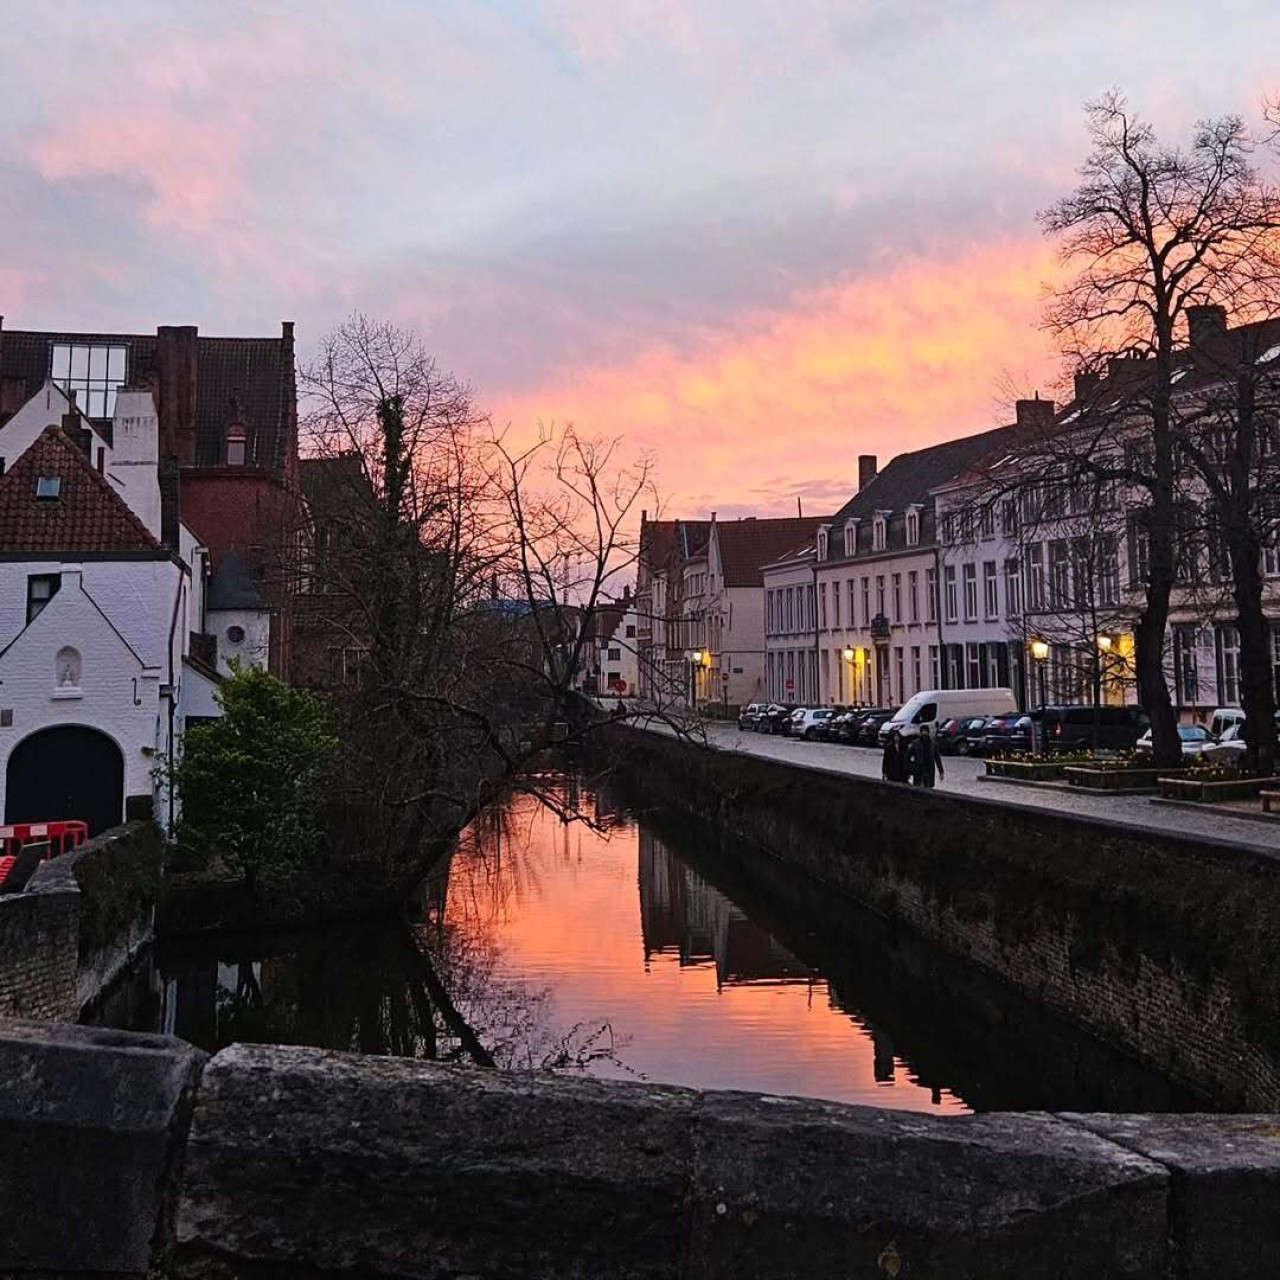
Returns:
(778,401)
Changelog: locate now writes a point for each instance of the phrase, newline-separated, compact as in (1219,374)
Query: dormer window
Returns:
(48,488)
(949,528)
(880,532)
(913,526)
(822,543)
(851,537)
(236,445)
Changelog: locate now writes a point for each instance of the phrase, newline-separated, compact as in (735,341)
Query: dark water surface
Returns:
(635,948)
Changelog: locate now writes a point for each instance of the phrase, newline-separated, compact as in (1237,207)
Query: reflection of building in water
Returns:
(681,912)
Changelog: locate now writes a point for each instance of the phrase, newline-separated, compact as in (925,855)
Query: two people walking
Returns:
(918,762)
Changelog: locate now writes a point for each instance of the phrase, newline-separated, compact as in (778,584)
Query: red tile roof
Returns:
(87,516)
(746,545)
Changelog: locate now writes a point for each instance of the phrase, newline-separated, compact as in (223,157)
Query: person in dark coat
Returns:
(925,759)
(894,766)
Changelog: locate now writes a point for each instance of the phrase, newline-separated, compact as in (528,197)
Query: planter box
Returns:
(1205,792)
(1118,777)
(1027,770)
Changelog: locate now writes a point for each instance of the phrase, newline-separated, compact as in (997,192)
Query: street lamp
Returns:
(1040,652)
(697,657)
(1104,643)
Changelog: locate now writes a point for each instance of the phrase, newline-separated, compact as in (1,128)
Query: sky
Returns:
(756,237)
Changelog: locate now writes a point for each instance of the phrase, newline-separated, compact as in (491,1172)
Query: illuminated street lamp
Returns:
(697,656)
(848,655)
(1104,643)
(1040,652)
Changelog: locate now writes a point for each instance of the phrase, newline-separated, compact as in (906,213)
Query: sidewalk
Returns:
(967,777)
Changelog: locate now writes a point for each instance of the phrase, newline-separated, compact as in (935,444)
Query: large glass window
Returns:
(94,372)
(990,590)
(950,601)
(971,592)
(1013,588)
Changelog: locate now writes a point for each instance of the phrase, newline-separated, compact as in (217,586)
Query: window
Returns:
(850,537)
(851,615)
(1108,569)
(950,603)
(1139,551)
(631,632)
(1013,588)
(897,597)
(987,520)
(966,525)
(880,595)
(1009,518)
(879,532)
(236,445)
(990,590)
(615,654)
(931,597)
(811,617)
(973,662)
(94,373)
(916,686)
(1185,668)
(913,595)
(41,588)
(235,634)
(822,603)
(1034,558)
(1059,573)
(866,602)
(835,604)
(900,674)
(949,528)
(48,488)
(1228,666)
(770,622)
(933,667)
(971,593)
(822,544)
(913,526)
(790,623)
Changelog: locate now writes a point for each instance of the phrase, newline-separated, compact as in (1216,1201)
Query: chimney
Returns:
(626,593)
(134,469)
(1086,385)
(1035,413)
(72,429)
(1205,324)
(866,470)
(177,348)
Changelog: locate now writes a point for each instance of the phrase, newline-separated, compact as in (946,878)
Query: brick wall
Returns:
(1166,947)
(39,945)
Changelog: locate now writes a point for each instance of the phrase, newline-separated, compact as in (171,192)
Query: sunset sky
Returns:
(757,236)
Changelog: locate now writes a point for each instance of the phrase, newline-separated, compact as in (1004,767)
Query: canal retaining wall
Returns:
(127,1154)
(81,921)
(1165,946)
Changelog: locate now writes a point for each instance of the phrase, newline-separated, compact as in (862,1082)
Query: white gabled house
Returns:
(98,618)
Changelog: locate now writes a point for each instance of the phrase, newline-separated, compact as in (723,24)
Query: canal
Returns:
(627,945)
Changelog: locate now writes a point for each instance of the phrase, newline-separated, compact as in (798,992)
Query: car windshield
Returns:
(1192,732)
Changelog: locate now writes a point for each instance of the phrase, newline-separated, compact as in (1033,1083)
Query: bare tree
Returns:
(1150,233)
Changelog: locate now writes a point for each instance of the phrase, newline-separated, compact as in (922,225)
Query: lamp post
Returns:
(1040,652)
(848,655)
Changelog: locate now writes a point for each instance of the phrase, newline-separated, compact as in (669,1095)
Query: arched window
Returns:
(913,526)
(67,668)
(822,544)
(879,532)
(236,445)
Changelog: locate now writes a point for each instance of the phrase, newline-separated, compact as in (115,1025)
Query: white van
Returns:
(1223,719)
(933,706)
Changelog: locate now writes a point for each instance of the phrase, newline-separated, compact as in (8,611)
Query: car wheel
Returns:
(962,747)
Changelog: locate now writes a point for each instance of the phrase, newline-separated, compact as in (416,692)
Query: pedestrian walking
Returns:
(925,759)
(894,765)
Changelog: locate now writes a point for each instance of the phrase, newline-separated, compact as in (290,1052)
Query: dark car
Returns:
(959,736)
(824,730)
(776,719)
(1081,727)
(844,726)
(749,716)
(869,729)
(1005,735)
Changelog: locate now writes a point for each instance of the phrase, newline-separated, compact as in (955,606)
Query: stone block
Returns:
(92,1124)
(788,1187)
(326,1162)
(1225,1186)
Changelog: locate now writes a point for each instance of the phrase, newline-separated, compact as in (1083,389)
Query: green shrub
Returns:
(250,783)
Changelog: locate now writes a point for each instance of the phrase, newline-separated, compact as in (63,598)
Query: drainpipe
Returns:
(817,669)
(173,627)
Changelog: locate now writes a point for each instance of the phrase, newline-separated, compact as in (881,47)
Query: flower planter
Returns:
(1027,770)
(1119,777)
(1203,791)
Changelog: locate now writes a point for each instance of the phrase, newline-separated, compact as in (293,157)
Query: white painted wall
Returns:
(255,647)
(135,456)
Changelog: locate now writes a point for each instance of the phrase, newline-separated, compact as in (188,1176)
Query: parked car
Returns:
(851,726)
(1223,718)
(823,732)
(869,729)
(1229,749)
(1084,726)
(1005,735)
(776,718)
(749,716)
(1196,739)
(805,722)
(933,705)
(956,736)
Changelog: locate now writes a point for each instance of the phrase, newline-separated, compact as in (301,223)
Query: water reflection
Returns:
(631,947)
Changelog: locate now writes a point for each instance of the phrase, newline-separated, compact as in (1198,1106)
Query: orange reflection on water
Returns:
(617,928)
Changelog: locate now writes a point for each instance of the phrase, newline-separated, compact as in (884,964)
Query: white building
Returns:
(101,625)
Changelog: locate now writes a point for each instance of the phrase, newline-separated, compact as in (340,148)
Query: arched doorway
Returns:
(68,771)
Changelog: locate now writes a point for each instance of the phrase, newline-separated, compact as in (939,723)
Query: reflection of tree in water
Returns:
(434,989)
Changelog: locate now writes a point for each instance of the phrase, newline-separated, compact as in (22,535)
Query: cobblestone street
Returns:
(967,777)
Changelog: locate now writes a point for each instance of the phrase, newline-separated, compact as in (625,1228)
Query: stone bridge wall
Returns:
(132,1155)
(1163,946)
(82,919)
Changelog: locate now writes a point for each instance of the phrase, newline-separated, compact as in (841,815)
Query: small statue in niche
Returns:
(68,668)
